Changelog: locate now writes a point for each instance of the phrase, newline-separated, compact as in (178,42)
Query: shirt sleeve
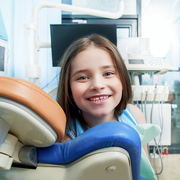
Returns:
(79,129)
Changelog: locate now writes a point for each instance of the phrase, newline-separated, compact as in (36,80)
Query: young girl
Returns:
(94,87)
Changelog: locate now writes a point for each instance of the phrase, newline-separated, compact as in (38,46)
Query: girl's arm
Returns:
(138,114)
(140,119)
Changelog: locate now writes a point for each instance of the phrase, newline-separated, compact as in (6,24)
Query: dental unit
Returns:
(149,98)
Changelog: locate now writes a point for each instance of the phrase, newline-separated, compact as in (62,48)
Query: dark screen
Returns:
(62,35)
(136,61)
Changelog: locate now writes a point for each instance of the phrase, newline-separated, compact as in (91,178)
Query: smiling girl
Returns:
(94,87)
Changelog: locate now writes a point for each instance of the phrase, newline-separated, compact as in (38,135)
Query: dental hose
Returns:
(156,145)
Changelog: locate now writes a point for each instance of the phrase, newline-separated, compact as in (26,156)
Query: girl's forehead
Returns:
(92,56)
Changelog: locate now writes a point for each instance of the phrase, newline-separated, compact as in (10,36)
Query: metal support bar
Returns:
(139,13)
(28,156)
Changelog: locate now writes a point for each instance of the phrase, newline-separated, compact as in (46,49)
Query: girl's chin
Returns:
(99,114)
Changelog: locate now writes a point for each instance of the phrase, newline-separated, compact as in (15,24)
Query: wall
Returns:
(16,14)
(160,23)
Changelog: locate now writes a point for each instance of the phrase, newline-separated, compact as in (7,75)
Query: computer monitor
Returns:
(62,35)
(3,57)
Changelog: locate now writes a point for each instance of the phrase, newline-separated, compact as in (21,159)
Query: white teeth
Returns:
(99,98)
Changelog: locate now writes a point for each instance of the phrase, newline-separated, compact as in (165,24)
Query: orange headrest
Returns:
(36,99)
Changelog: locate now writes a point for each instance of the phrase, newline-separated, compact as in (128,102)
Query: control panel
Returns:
(150,64)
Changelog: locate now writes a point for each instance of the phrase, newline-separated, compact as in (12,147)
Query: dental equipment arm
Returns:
(33,70)
(67,7)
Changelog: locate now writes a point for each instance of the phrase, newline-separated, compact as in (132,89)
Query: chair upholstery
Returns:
(110,134)
(36,99)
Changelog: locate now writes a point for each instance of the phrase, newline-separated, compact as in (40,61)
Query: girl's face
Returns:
(95,84)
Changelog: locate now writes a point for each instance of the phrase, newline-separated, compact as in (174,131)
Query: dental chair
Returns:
(31,125)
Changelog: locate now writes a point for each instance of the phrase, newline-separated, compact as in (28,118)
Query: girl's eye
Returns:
(82,78)
(108,74)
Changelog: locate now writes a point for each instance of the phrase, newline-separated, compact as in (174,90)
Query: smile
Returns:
(98,99)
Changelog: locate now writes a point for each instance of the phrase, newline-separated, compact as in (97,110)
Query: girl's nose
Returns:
(97,83)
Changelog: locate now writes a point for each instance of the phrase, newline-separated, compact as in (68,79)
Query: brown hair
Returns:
(64,92)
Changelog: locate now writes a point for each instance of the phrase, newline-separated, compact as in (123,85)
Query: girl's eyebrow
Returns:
(79,71)
(86,70)
(108,66)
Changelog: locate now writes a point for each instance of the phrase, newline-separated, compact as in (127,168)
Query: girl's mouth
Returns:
(99,99)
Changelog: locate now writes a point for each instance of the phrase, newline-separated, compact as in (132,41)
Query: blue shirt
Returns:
(126,117)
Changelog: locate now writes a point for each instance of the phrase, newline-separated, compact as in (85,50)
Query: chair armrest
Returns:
(111,134)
